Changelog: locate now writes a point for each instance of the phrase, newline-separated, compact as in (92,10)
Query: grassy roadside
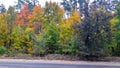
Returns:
(59,57)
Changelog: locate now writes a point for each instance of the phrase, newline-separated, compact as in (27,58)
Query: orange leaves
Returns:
(25,12)
(37,14)
(37,9)
(23,16)
(75,16)
(29,19)
(20,23)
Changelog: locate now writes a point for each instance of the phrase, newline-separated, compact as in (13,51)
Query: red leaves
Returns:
(23,16)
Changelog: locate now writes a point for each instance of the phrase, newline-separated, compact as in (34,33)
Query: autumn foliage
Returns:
(76,29)
(23,16)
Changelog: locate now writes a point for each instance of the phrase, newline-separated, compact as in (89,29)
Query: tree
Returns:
(2,8)
(53,12)
(4,31)
(36,19)
(71,4)
(23,16)
(115,22)
(11,19)
(52,37)
(108,5)
(95,33)
(31,4)
(78,5)
(67,33)
(37,14)
(17,37)
(40,42)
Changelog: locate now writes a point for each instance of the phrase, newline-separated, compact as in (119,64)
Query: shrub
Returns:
(3,50)
(39,48)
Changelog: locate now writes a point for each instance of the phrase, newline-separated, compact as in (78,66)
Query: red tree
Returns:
(23,16)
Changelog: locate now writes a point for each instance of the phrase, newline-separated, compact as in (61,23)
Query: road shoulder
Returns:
(61,62)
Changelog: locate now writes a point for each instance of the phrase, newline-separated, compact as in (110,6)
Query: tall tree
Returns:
(108,5)
(2,8)
(11,19)
(36,19)
(31,4)
(115,22)
(23,16)
(78,5)
(95,33)
(67,33)
(52,38)
(4,33)
(53,12)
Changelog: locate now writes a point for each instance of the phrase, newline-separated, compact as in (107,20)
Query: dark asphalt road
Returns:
(48,65)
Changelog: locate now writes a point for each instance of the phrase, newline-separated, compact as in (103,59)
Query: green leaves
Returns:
(53,12)
(37,30)
(52,37)
(3,50)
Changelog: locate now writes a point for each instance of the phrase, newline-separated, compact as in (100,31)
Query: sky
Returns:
(8,3)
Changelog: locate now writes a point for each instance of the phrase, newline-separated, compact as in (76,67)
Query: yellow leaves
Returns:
(67,23)
(30,50)
(1,18)
(29,30)
(1,42)
(75,16)
(114,21)
(17,47)
(61,11)
(66,30)
(37,10)
(3,26)
(37,14)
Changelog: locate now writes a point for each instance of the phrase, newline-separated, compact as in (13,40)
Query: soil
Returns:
(47,57)
(60,57)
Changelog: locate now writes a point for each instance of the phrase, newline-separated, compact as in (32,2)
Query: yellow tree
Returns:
(4,31)
(37,14)
(36,19)
(67,31)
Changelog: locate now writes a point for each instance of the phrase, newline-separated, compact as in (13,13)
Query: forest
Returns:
(73,27)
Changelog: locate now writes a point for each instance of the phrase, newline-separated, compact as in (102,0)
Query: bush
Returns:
(3,50)
(39,50)
(39,47)
(52,38)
